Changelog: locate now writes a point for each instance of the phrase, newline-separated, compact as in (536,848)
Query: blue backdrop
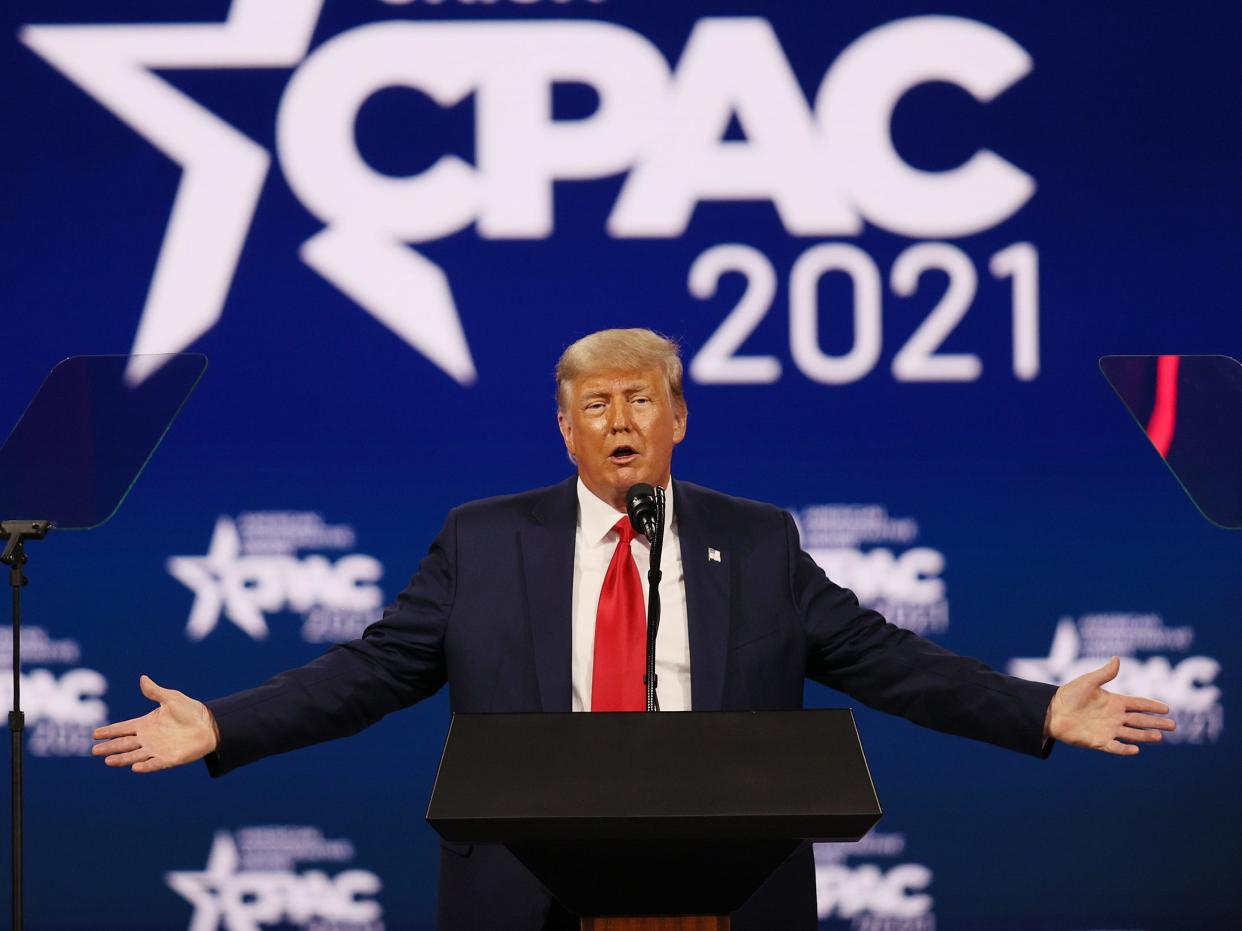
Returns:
(893,240)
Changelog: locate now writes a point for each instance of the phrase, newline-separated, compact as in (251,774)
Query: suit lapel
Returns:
(705,562)
(547,555)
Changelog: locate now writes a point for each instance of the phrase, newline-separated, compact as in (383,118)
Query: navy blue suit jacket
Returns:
(489,613)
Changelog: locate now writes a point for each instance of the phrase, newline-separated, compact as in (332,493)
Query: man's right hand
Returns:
(181,730)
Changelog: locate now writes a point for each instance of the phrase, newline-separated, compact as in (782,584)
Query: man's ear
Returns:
(679,424)
(567,434)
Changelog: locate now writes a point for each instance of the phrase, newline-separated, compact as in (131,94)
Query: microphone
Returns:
(645,505)
(641,504)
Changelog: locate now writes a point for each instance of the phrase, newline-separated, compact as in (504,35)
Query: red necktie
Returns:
(620,633)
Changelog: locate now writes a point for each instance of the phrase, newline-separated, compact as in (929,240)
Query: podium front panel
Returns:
(667,776)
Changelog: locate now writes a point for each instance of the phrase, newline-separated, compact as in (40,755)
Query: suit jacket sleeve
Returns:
(854,650)
(398,661)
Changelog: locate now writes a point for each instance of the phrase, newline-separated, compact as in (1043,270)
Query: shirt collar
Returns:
(597,517)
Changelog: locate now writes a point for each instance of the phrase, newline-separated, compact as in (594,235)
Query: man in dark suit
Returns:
(531,602)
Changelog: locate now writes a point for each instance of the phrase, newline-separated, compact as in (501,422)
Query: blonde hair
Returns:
(630,350)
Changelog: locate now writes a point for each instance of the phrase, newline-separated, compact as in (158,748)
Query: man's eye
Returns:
(595,406)
(641,400)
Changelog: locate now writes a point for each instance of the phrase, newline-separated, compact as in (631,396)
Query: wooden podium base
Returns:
(663,923)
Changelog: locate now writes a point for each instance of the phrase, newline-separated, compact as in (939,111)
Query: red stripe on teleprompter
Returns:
(1164,414)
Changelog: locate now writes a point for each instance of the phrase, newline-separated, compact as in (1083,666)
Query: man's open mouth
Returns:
(622,454)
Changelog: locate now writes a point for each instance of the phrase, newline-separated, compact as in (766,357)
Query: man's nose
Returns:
(619,417)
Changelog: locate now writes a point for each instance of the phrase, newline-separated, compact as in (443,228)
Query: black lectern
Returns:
(653,820)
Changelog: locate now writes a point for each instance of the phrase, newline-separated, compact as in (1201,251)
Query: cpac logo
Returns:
(244,585)
(1185,686)
(904,585)
(849,891)
(61,709)
(911,577)
(894,899)
(827,168)
(229,898)
(73,697)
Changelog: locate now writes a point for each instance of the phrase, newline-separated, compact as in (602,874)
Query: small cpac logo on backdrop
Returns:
(873,896)
(663,127)
(1186,686)
(61,708)
(252,569)
(252,881)
(901,581)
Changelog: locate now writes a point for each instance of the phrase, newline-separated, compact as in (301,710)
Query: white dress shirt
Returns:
(594,545)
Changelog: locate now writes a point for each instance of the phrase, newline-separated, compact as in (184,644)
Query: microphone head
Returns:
(640,504)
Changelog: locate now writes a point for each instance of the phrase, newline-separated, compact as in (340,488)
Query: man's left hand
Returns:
(1084,714)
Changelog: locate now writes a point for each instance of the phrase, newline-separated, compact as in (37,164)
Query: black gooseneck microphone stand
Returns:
(653,599)
(15,533)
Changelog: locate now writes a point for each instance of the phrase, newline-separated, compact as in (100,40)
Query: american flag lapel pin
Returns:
(713,554)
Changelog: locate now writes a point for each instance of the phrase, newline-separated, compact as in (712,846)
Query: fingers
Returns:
(1150,721)
(148,766)
(119,729)
(1134,703)
(119,745)
(1139,735)
(1106,673)
(128,759)
(1135,735)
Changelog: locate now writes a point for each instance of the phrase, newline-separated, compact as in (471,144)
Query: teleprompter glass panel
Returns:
(1190,407)
(87,433)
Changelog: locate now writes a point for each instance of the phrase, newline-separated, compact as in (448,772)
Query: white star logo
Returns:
(225,894)
(223,173)
(220,583)
(1062,661)
(201,888)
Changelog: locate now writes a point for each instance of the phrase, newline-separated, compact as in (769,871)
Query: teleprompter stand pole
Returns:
(15,533)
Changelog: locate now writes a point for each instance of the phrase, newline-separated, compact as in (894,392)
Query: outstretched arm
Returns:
(1083,713)
(398,661)
(891,669)
(181,730)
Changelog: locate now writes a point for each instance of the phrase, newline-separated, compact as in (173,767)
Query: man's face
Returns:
(620,427)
